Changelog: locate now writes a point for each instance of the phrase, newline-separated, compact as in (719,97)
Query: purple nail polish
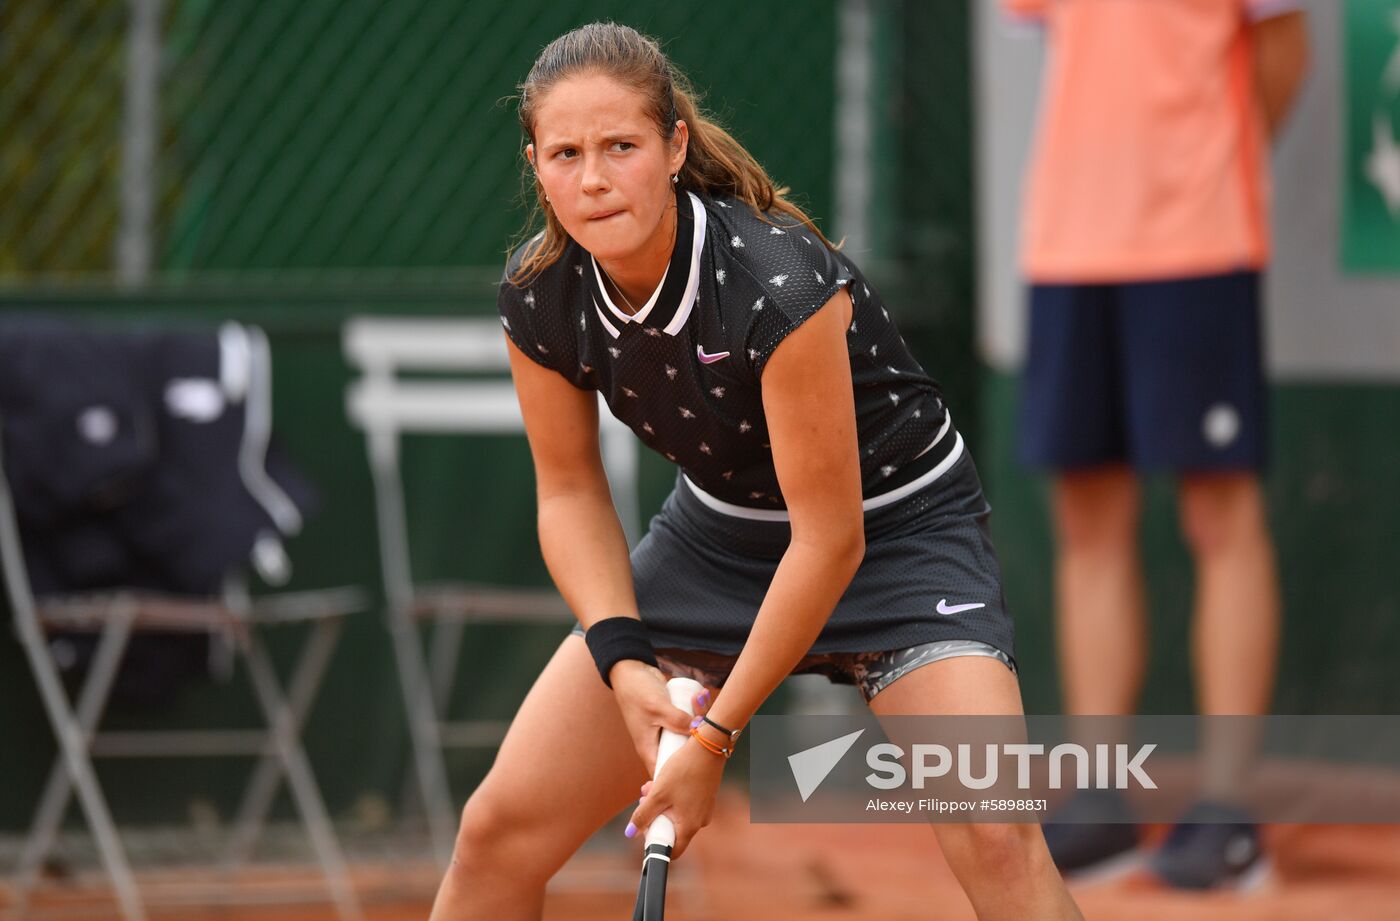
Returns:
(631,831)
(695,722)
(705,699)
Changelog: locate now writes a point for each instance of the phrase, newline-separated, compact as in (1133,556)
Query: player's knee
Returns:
(992,851)
(483,822)
(490,840)
(1098,508)
(1218,512)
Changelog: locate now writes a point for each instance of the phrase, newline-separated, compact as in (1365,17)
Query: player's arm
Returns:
(580,535)
(581,538)
(810,408)
(1280,46)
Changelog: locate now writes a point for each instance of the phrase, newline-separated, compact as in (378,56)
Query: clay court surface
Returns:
(738,871)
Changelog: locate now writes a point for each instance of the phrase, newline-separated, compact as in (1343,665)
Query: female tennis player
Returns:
(826,518)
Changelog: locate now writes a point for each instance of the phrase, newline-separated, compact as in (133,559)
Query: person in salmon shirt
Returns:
(1144,237)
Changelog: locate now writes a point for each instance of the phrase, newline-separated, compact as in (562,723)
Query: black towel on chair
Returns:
(141,459)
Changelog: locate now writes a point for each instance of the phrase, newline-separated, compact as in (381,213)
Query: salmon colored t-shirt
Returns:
(1151,159)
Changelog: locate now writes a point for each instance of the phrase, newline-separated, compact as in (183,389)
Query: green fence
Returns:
(60,134)
(332,139)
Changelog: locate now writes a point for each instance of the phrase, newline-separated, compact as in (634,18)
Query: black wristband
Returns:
(616,638)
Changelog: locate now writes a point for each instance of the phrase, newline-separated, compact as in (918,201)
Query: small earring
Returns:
(546,198)
(675,177)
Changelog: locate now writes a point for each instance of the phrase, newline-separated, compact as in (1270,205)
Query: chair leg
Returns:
(444,650)
(72,743)
(300,779)
(262,787)
(423,719)
(53,803)
(426,736)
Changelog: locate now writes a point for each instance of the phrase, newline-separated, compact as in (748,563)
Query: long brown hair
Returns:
(715,163)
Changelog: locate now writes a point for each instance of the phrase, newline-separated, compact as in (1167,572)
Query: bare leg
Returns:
(565,768)
(1235,632)
(1005,870)
(1099,599)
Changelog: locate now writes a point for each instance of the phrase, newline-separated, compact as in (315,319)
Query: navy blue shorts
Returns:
(1162,375)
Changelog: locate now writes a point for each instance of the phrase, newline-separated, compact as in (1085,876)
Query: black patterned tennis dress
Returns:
(684,373)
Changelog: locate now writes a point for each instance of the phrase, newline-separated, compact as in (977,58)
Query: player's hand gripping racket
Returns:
(661,835)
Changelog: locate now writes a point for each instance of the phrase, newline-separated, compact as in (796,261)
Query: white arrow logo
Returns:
(810,767)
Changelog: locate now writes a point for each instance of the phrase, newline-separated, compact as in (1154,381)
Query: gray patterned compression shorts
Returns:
(870,672)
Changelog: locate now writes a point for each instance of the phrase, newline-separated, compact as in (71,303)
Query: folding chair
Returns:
(477,399)
(115,615)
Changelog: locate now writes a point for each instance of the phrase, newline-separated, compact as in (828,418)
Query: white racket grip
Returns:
(682,691)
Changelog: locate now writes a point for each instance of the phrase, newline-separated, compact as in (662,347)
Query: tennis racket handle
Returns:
(682,691)
(660,832)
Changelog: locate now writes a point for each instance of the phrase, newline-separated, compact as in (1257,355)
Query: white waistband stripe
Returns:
(874,502)
(913,486)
